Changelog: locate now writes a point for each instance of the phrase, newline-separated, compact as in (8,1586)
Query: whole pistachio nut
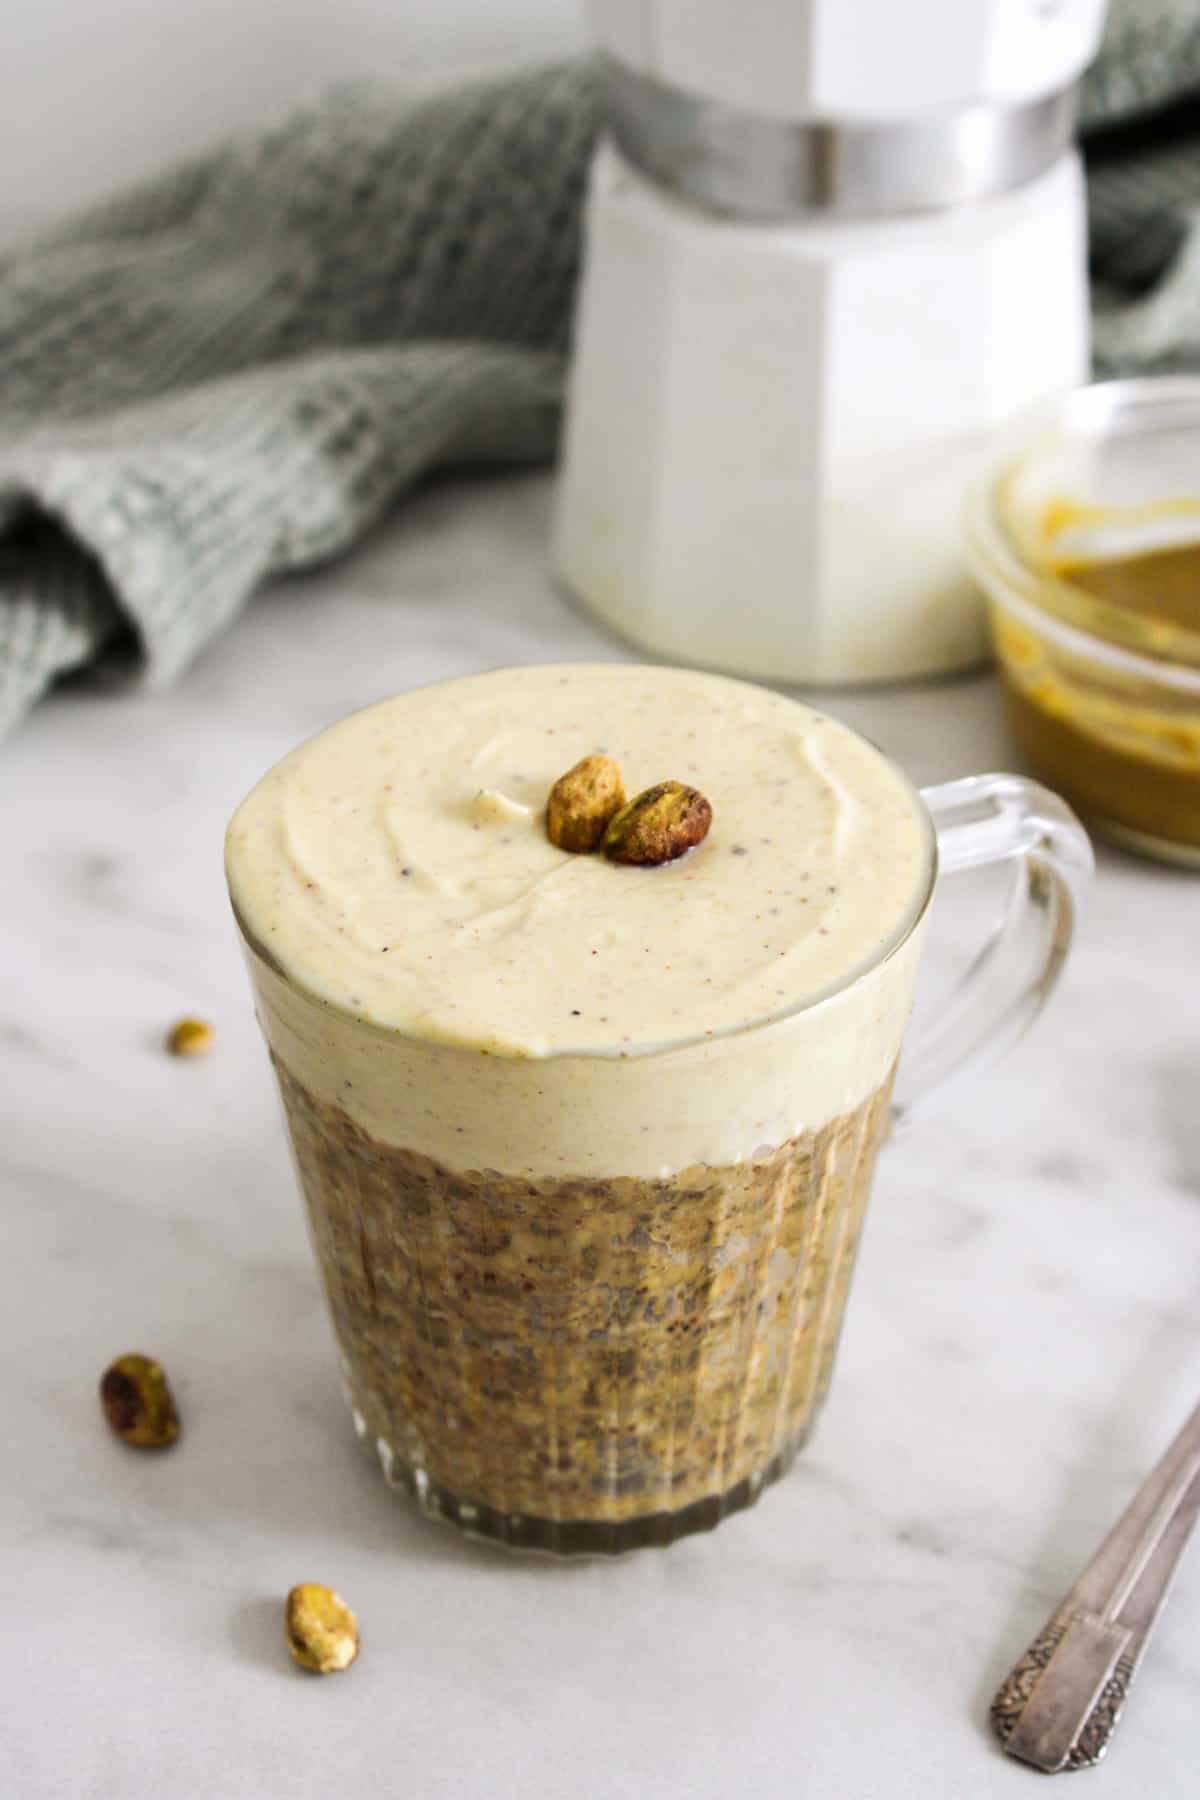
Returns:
(138,1402)
(659,824)
(582,802)
(190,1037)
(322,1632)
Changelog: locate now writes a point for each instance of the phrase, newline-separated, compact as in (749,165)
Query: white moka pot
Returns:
(830,247)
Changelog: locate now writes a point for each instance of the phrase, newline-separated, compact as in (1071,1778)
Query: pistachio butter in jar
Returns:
(1086,538)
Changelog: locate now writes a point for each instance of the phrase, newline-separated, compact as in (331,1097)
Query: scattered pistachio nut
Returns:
(138,1402)
(190,1037)
(658,825)
(582,802)
(322,1632)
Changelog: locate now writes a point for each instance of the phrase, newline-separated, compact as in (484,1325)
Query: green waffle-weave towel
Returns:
(233,370)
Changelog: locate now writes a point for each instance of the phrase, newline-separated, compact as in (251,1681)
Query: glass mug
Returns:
(590,1361)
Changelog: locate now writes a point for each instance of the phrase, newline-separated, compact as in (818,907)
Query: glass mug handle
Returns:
(987,819)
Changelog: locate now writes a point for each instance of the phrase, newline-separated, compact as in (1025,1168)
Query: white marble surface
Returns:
(1024,1335)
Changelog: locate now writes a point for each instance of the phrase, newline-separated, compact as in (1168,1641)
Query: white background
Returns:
(94,92)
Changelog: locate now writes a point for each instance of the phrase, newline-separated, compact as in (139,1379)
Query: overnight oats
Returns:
(585,1141)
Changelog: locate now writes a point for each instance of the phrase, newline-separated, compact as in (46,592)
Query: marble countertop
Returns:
(1022,1341)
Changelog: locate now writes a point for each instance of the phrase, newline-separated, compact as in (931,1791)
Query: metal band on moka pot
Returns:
(746,165)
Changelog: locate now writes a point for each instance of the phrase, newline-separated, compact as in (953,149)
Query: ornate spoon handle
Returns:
(1060,1704)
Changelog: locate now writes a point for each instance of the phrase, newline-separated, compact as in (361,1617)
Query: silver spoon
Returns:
(1060,1705)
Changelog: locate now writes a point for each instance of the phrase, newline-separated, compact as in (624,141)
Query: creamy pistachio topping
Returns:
(397,866)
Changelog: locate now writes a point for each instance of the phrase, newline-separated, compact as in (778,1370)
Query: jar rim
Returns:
(1154,651)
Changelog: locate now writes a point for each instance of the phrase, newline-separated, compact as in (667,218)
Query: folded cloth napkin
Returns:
(233,370)
(1141,138)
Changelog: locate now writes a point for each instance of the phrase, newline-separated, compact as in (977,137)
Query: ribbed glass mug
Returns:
(601,1356)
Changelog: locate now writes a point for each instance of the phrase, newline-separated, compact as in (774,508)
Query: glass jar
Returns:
(1085,535)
